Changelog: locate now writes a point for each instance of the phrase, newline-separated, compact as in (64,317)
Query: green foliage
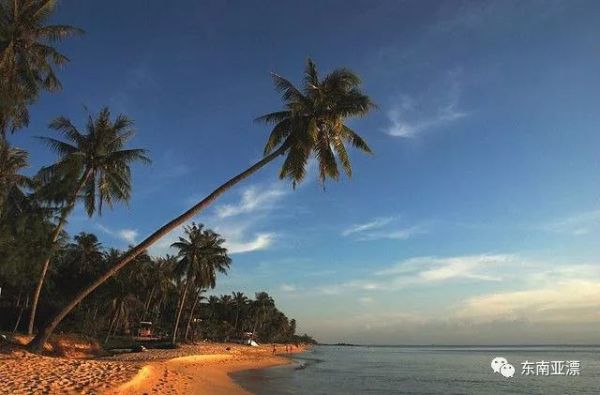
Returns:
(27,57)
(312,122)
(95,163)
(232,316)
(201,256)
(149,289)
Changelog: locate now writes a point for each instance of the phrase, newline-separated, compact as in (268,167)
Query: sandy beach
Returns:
(191,369)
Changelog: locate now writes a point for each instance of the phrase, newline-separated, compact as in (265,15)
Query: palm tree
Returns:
(198,298)
(240,301)
(93,166)
(12,161)
(263,304)
(27,57)
(159,275)
(201,256)
(311,123)
(86,250)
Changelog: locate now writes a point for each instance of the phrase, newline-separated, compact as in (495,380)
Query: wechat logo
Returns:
(501,365)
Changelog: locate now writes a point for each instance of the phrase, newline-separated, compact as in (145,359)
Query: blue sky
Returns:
(476,221)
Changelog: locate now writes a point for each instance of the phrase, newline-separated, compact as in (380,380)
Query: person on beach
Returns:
(274,349)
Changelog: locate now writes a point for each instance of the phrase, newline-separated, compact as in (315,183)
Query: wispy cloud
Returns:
(571,300)
(127,235)
(379,228)
(394,234)
(434,269)
(237,221)
(253,199)
(411,116)
(575,225)
(288,288)
(258,242)
(430,270)
(374,224)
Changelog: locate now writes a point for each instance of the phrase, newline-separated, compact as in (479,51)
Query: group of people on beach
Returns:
(288,348)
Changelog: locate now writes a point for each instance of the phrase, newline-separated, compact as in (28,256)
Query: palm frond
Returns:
(357,141)
(288,91)
(59,147)
(278,134)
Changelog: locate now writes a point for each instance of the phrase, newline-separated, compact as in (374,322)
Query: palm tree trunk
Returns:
(110,325)
(237,314)
(147,306)
(21,310)
(38,342)
(179,311)
(55,233)
(187,328)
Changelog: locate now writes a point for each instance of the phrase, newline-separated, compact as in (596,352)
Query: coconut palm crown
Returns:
(313,122)
(96,160)
(27,57)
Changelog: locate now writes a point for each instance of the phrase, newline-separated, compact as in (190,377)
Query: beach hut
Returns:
(249,339)
(145,329)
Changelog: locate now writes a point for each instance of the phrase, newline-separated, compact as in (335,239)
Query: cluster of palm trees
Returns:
(93,166)
(167,291)
(232,316)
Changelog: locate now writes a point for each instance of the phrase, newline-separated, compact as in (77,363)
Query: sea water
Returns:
(431,370)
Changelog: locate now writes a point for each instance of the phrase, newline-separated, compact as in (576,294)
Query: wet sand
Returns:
(191,369)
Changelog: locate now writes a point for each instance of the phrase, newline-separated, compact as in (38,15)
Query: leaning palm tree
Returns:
(27,57)
(93,166)
(311,123)
(201,256)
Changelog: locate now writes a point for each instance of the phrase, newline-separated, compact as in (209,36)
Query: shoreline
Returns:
(201,373)
(203,368)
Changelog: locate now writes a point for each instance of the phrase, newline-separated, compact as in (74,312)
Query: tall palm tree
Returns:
(93,166)
(263,304)
(198,298)
(240,301)
(201,256)
(312,118)
(27,57)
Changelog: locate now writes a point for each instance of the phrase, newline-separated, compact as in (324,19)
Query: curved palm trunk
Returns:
(38,342)
(179,311)
(55,233)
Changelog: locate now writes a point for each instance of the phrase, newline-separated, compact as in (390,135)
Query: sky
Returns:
(477,219)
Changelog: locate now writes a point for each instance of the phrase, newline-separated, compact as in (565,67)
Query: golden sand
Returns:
(191,369)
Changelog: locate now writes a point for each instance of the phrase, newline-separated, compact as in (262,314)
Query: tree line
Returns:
(169,292)
(93,169)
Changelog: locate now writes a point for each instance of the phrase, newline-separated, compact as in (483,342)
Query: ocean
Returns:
(431,370)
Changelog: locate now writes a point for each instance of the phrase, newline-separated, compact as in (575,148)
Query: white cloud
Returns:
(127,235)
(253,199)
(288,288)
(235,221)
(260,242)
(572,300)
(430,270)
(378,228)
(411,116)
(374,224)
(575,225)
(434,269)
(394,234)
